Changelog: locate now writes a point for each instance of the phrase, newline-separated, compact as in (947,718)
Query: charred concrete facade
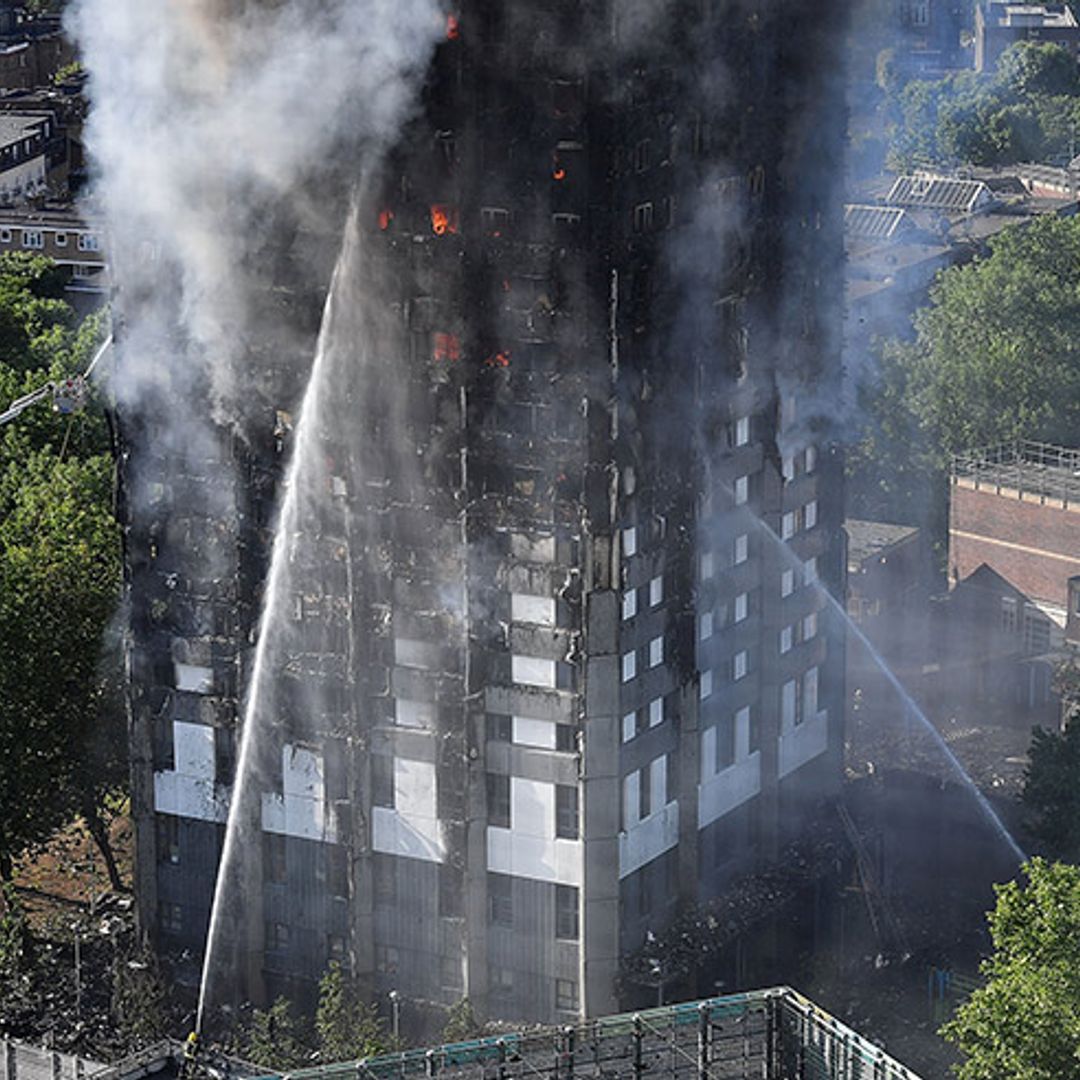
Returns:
(567,621)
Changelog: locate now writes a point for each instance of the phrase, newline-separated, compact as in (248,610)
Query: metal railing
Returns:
(21,1061)
(772,1034)
(1028,468)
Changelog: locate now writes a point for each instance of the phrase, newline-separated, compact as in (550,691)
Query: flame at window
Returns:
(499,359)
(386,217)
(445,347)
(443,219)
(453,28)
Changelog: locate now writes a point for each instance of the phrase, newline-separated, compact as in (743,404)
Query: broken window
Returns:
(164,747)
(498,728)
(566,738)
(494,220)
(643,217)
(644,793)
(337,871)
(500,900)
(224,755)
(277,936)
(498,800)
(451,892)
(274,865)
(170,917)
(382,780)
(566,812)
(385,879)
(725,744)
(642,155)
(566,995)
(168,838)
(566,912)
(386,959)
(451,976)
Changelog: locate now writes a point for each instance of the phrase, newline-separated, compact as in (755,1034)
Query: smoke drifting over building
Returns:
(531,673)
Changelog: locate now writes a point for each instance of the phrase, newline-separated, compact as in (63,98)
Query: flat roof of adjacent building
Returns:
(50,217)
(1016,15)
(932,192)
(869,538)
(14,127)
(875,222)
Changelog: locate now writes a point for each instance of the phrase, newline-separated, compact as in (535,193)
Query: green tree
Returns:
(1028,68)
(461,1023)
(14,939)
(1025,1021)
(346,1027)
(1052,778)
(275,1038)
(1052,790)
(59,578)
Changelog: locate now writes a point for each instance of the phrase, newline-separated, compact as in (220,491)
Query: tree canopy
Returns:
(1025,1021)
(996,357)
(1052,778)
(61,734)
(1027,110)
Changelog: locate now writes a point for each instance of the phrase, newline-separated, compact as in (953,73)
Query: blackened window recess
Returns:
(275,865)
(500,900)
(224,755)
(499,728)
(566,912)
(566,812)
(451,891)
(384,874)
(168,839)
(498,800)
(164,750)
(382,780)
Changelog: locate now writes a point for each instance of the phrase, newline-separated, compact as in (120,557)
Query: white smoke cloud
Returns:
(205,112)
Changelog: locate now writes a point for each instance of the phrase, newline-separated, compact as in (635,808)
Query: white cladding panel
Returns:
(188,790)
(410,828)
(300,810)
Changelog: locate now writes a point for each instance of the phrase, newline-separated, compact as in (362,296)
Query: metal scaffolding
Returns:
(1023,468)
(768,1034)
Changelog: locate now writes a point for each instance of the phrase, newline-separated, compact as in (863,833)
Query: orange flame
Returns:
(453,28)
(559,173)
(499,359)
(386,216)
(445,347)
(443,220)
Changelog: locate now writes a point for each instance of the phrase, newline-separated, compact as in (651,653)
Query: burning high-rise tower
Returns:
(549,671)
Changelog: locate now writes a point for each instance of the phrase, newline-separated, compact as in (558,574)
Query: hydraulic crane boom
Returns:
(68,395)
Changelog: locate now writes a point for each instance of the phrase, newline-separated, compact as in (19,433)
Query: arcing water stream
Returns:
(301,478)
(910,705)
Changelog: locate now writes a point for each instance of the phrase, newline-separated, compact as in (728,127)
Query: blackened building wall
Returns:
(568,613)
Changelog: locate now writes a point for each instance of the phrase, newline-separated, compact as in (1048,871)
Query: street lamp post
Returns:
(395,1013)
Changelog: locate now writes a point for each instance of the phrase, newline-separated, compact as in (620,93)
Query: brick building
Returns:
(76,244)
(1016,509)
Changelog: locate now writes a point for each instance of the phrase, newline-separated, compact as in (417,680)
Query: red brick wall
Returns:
(1040,532)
